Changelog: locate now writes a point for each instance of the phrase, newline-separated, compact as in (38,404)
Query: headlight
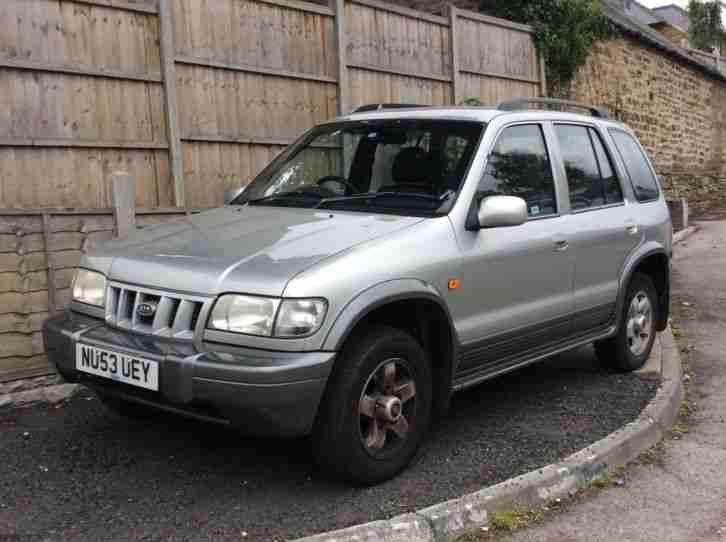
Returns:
(299,317)
(268,317)
(89,287)
(244,314)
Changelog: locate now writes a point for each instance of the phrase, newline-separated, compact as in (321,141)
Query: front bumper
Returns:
(261,392)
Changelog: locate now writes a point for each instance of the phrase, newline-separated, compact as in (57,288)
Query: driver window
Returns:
(520,166)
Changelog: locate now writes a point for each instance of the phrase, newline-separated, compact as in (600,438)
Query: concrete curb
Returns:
(446,521)
(46,394)
(684,234)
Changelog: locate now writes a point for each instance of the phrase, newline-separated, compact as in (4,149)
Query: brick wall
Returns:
(678,112)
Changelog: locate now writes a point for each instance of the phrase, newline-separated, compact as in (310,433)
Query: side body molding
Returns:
(381,294)
(644,251)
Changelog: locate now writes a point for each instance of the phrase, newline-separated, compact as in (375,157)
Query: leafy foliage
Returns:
(565,31)
(707,30)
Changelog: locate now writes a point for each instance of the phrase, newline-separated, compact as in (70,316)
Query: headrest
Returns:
(412,165)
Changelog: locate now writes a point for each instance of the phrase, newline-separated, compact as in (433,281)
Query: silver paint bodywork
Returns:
(512,278)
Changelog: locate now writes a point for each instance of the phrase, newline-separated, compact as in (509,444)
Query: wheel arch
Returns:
(652,260)
(415,307)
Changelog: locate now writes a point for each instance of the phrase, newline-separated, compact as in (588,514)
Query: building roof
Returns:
(675,15)
(637,11)
(618,12)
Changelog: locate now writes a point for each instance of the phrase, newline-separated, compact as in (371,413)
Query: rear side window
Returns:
(590,175)
(610,182)
(641,176)
(520,166)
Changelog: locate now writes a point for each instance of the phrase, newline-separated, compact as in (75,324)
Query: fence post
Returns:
(49,266)
(542,76)
(338,7)
(453,45)
(124,203)
(168,69)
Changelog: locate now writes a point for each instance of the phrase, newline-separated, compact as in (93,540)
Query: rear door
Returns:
(603,227)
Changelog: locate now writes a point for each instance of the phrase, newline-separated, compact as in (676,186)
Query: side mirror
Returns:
(500,211)
(230,194)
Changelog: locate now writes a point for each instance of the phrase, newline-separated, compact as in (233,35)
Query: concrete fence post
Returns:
(684,203)
(124,203)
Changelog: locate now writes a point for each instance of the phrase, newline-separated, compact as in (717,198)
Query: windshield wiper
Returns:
(374,195)
(293,193)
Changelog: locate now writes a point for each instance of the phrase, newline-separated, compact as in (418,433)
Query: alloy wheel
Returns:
(387,407)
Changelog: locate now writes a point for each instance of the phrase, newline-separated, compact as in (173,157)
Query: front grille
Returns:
(174,315)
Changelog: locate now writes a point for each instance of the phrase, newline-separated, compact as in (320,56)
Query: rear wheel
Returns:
(377,407)
(629,349)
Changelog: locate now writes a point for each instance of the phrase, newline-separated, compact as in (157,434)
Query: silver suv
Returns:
(383,261)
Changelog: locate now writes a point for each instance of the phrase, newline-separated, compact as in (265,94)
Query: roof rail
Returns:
(522,103)
(380,107)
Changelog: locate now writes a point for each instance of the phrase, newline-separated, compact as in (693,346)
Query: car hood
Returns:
(252,249)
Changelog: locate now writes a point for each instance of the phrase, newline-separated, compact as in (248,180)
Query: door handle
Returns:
(631,229)
(561,245)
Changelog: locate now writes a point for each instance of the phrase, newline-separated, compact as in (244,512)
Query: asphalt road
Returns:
(77,472)
(680,497)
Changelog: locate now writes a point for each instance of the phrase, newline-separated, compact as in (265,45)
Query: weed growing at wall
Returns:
(565,31)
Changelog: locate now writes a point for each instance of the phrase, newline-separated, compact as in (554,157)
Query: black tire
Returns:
(617,352)
(343,434)
(127,409)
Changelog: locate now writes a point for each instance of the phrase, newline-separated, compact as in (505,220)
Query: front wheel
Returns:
(629,349)
(377,408)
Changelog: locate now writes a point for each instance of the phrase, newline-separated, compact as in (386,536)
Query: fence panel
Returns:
(497,59)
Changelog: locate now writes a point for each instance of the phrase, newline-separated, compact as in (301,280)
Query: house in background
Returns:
(671,21)
(673,24)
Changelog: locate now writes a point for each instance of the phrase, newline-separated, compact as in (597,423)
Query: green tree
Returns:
(565,31)
(707,30)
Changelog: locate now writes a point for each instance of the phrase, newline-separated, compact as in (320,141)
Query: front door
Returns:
(520,277)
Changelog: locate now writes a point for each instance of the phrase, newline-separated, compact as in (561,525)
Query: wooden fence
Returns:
(192,96)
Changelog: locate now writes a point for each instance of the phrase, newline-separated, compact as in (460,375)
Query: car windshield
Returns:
(406,167)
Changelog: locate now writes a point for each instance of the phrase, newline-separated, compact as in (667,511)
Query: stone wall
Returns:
(25,297)
(678,112)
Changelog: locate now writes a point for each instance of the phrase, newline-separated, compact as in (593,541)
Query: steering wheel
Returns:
(337,179)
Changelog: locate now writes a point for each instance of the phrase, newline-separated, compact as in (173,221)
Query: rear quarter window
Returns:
(641,175)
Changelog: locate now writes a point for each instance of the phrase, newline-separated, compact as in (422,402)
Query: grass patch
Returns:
(603,481)
(609,478)
(511,520)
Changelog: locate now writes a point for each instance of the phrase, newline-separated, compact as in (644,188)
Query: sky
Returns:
(657,3)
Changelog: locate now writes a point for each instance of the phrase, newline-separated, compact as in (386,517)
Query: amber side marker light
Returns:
(454,284)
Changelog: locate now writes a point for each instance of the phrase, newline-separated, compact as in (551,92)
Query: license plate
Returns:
(133,370)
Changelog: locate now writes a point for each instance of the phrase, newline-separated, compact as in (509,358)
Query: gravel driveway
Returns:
(76,472)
